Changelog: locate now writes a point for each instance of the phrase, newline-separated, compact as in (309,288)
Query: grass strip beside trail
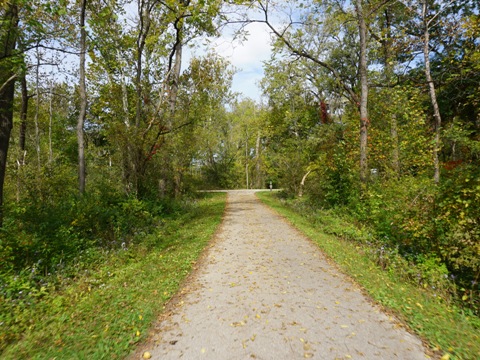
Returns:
(449,333)
(104,314)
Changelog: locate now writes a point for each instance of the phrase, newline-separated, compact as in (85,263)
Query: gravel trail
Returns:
(264,291)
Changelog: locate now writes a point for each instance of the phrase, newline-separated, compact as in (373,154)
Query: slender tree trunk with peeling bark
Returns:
(302,183)
(23,132)
(37,113)
(258,164)
(433,95)
(83,103)
(364,121)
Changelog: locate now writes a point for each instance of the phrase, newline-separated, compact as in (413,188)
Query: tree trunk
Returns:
(83,102)
(23,115)
(175,71)
(173,94)
(8,40)
(364,121)
(134,148)
(389,73)
(302,183)
(433,95)
(50,124)
(258,170)
(22,136)
(144,14)
(37,111)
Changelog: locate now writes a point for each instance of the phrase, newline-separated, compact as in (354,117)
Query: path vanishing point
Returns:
(264,291)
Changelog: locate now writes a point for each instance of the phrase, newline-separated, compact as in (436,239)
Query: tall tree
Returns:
(363,106)
(427,22)
(8,73)
(83,100)
(431,22)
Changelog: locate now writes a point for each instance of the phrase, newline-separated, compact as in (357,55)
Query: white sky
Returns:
(246,57)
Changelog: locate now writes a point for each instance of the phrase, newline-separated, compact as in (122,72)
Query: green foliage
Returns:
(458,217)
(335,184)
(104,302)
(45,236)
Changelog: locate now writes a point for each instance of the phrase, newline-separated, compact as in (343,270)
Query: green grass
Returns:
(103,314)
(447,330)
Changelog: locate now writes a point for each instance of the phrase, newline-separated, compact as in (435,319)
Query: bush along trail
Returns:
(100,304)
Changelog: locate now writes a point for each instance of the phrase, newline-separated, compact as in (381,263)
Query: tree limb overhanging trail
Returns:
(263,291)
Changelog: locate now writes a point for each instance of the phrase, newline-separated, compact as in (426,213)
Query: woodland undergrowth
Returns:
(64,253)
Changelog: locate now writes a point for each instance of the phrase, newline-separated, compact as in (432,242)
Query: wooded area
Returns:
(372,112)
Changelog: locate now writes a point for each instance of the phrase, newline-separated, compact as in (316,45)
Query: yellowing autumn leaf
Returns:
(237,323)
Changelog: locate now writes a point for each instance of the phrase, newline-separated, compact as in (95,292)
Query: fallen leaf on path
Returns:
(237,323)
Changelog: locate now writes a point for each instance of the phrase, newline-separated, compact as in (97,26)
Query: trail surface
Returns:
(264,291)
